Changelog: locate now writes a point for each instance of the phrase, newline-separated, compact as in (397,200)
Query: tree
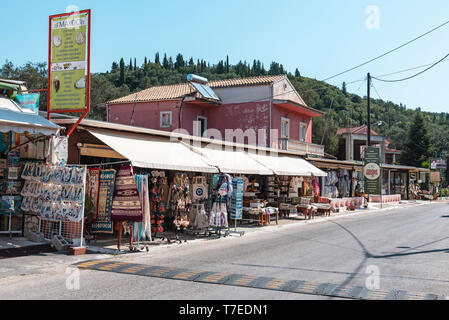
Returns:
(122,72)
(156,59)
(179,61)
(130,64)
(417,145)
(297,74)
(115,66)
(343,88)
(145,62)
(165,62)
(135,64)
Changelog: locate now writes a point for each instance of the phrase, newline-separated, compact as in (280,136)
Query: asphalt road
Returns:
(408,247)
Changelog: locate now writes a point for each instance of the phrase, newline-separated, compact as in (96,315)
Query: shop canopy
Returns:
(288,166)
(232,162)
(14,118)
(154,154)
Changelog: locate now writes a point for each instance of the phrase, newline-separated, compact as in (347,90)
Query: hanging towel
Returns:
(126,204)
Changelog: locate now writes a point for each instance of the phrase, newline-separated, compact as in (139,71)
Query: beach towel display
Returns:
(103,222)
(180,201)
(126,204)
(93,188)
(52,192)
(157,201)
(142,230)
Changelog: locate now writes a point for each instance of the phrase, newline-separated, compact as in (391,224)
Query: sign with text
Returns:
(436,164)
(29,101)
(435,177)
(371,170)
(69,60)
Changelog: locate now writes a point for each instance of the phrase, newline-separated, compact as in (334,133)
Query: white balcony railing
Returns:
(299,146)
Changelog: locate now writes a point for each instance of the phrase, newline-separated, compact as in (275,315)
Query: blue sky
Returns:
(320,38)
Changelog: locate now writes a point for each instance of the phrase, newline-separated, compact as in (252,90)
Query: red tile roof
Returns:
(177,91)
(357,130)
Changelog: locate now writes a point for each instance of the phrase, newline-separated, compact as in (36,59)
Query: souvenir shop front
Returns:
(29,151)
(343,183)
(149,187)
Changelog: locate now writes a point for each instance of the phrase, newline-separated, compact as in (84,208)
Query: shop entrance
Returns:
(399,184)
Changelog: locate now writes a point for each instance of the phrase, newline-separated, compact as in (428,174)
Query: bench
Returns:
(308,210)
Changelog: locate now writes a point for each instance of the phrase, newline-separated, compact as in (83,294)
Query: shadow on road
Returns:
(369,255)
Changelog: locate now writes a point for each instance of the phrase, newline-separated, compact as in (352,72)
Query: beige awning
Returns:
(144,152)
(232,162)
(288,166)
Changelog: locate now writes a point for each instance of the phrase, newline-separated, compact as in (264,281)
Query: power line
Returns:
(386,53)
(415,75)
(410,69)
(372,85)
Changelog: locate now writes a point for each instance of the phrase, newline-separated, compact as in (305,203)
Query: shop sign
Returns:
(29,101)
(69,61)
(435,177)
(436,164)
(371,170)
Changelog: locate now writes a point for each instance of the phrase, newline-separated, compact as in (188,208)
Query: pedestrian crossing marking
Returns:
(296,286)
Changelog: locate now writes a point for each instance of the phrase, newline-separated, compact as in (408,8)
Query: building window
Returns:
(303,131)
(166,119)
(285,128)
(201,125)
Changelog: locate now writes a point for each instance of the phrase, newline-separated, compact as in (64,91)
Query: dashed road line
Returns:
(250,281)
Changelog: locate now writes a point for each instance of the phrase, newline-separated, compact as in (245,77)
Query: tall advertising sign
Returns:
(69,63)
(372,171)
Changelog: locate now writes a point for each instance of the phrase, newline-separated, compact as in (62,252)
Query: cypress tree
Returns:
(156,59)
(130,63)
(165,61)
(122,72)
(417,144)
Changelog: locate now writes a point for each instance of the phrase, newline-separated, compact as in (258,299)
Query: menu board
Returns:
(68,62)
(372,170)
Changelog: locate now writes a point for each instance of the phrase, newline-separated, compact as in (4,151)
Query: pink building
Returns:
(251,106)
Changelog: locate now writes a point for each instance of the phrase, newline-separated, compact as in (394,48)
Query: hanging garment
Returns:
(213,215)
(223,219)
(103,222)
(93,188)
(143,229)
(126,204)
(198,217)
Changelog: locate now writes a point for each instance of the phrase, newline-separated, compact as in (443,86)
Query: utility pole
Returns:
(369,110)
